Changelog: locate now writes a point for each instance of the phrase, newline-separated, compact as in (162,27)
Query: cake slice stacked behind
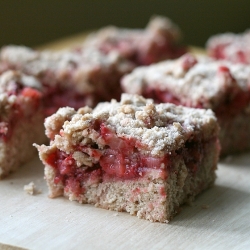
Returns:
(201,82)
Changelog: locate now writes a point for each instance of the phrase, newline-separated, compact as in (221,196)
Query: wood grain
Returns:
(218,219)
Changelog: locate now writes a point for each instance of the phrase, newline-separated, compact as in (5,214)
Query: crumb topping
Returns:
(112,34)
(191,79)
(64,66)
(10,79)
(20,91)
(31,189)
(54,123)
(157,128)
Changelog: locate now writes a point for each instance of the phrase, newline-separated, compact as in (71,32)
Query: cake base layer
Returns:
(18,149)
(234,134)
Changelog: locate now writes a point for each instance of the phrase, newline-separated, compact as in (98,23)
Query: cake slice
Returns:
(132,156)
(69,78)
(158,41)
(229,46)
(21,119)
(200,82)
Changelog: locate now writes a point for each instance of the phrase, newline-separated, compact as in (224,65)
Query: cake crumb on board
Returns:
(31,189)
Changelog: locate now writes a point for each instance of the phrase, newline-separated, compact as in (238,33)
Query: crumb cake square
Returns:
(69,78)
(201,82)
(229,46)
(135,156)
(158,41)
(21,119)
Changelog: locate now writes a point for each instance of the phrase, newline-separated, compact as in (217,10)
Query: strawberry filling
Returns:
(121,158)
(69,175)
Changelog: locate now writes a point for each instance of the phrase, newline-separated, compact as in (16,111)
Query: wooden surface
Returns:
(218,219)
